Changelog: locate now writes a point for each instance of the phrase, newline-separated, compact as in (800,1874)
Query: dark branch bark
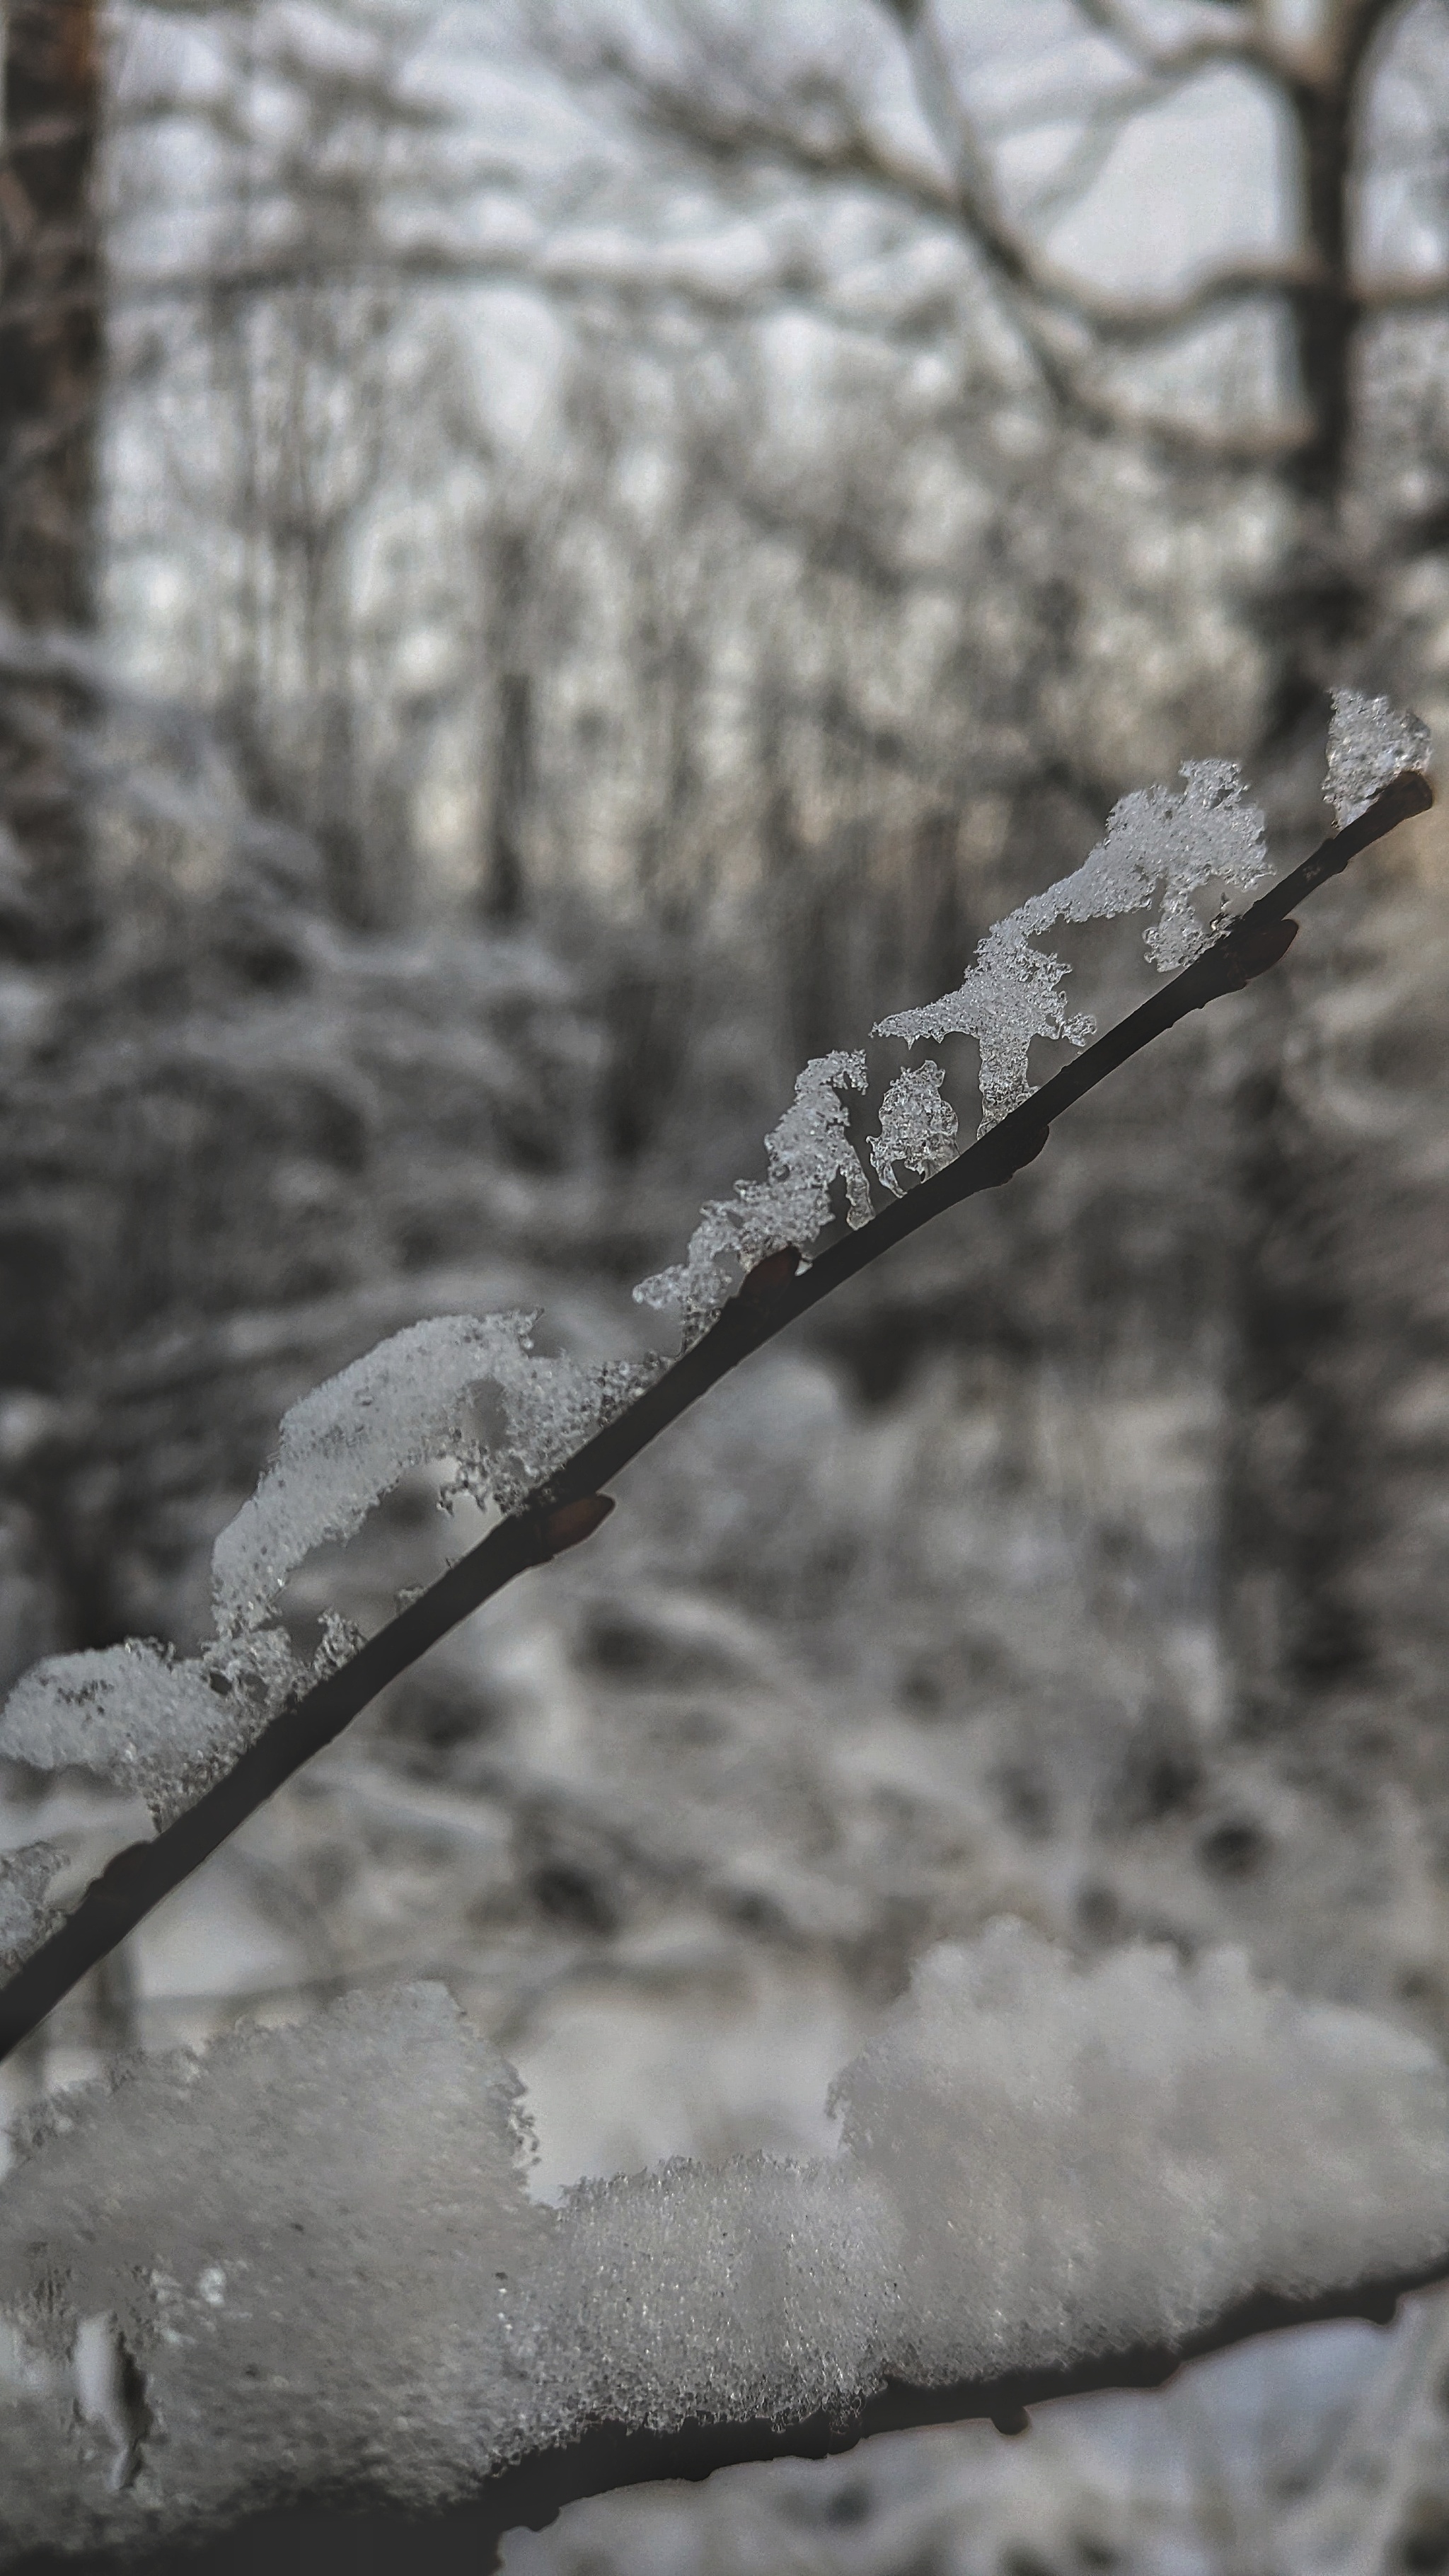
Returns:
(571,1505)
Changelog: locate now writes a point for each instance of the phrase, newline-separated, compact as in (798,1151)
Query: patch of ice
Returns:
(1179,841)
(918,1129)
(807,1152)
(1370,742)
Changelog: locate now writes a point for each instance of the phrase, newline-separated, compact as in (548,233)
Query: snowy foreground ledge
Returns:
(303,2268)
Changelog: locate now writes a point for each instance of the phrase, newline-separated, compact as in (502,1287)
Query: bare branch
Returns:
(570,1506)
(1403,294)
(1243,40)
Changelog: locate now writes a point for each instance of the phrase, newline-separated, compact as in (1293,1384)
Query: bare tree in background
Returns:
(764,107)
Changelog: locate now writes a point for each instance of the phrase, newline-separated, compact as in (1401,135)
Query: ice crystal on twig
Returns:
(1370,742)
(918,1129)
(808,1152)
(410,1401)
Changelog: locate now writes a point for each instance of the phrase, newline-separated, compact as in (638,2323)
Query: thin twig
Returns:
(571,1505)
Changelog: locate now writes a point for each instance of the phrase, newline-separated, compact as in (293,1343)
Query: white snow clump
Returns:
(166,1729)
(1370,742)
(348,1443)
(135,1716)
(302,2238)
(1085,2158)
(1180,841)
(808,1151)
(318,2249)
(409,1401)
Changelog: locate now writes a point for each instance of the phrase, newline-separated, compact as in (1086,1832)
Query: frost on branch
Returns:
(1370,742)
(1181,841)
(317,2248)
(151,1726)
(808,1152)
(1160,842)
(166,1730)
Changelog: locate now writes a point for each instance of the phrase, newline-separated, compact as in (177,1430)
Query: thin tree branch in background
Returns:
(571,1506)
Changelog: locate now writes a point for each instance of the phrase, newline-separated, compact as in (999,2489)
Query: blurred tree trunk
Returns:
(51,356)
(509,582)
(506,882)
(1298,1511)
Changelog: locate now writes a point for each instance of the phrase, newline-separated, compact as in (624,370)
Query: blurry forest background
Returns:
(554,561)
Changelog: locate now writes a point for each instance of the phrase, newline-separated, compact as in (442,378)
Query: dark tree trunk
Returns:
(50,384)
(1311,1506)
(506,881)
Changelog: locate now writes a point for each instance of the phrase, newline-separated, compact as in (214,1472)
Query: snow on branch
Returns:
(808,1150)
(312,2257)
(204,1742)
(1155,839)
(411,1400)
(304,2267)
(1369,742)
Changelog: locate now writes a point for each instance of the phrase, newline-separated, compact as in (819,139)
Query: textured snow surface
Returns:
(316,2248)
(1370,741)
(303,2239)
(759,2287)
(1156,838)
(26,1916)
(808,1151)
(1085,2158)
(135,1716)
